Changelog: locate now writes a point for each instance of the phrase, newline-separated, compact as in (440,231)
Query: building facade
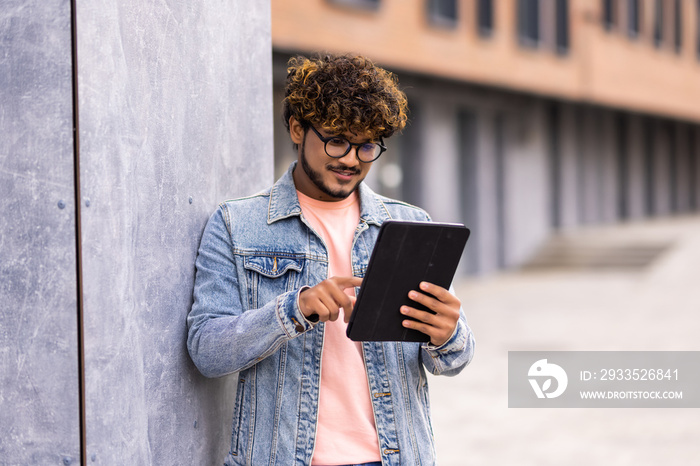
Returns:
(528,117)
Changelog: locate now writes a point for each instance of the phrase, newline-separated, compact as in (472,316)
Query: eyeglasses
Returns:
(337,147)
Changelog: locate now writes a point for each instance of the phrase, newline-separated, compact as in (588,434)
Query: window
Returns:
(609,14)
(677,26)
(634,18)
(443,12)
(529,22)
(562,28)
(484,16)
(366,4)
(658,22)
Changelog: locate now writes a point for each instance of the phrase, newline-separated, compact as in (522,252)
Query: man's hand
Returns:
(439,326)
(325,299)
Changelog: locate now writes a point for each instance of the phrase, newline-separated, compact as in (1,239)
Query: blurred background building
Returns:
(528,117)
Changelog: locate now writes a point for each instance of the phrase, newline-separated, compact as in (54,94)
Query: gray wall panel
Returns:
(682,168)
(440,176)
(590,163)
(636,168)
(176,116)
(487,237)
(607,168)
(39,408)
(527,188)
(662,168)
(569,180)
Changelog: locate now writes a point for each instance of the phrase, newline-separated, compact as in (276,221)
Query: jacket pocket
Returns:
(237,417)
(270,275)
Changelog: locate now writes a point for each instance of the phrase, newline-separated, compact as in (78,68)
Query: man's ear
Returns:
(296,131)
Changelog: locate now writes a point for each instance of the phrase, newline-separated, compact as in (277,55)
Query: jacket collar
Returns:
(284,201)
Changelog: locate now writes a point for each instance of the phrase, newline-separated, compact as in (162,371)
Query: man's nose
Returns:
(352,158)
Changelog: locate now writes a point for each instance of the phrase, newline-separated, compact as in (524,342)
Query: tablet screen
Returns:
(405,254)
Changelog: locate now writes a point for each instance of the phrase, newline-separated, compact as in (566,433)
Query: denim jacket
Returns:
(255,255)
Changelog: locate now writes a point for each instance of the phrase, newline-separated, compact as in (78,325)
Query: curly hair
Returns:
(342,93)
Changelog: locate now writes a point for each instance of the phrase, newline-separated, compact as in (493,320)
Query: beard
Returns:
(317,179)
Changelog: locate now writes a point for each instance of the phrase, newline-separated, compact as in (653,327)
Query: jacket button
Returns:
(299,328)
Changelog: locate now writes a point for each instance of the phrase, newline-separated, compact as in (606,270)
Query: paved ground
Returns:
(657,308)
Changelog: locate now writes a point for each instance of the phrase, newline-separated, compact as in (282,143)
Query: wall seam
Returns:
(78,237)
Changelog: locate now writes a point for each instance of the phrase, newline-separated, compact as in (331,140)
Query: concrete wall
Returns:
(39,397)
(175,115)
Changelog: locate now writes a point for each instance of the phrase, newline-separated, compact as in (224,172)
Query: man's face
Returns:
(322,177)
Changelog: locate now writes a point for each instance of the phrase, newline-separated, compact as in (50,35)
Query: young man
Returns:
(275,284)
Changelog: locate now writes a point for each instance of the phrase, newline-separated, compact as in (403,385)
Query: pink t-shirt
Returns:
(345,432)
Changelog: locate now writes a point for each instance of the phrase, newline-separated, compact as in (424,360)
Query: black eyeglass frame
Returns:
(326,140)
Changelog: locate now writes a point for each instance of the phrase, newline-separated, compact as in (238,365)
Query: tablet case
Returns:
(405,254)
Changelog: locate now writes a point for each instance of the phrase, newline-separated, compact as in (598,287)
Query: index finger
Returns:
(347,282)
(440,293)
(346,301)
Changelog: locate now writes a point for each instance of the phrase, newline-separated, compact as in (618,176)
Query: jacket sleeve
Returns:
(223,339)
(454,355)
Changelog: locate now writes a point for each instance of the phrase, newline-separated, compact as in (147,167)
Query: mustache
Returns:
(341,167)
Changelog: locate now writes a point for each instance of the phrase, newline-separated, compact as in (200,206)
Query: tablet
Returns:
(406,253)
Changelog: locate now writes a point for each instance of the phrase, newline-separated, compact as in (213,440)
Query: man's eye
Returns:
(337,141)
(368,147)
